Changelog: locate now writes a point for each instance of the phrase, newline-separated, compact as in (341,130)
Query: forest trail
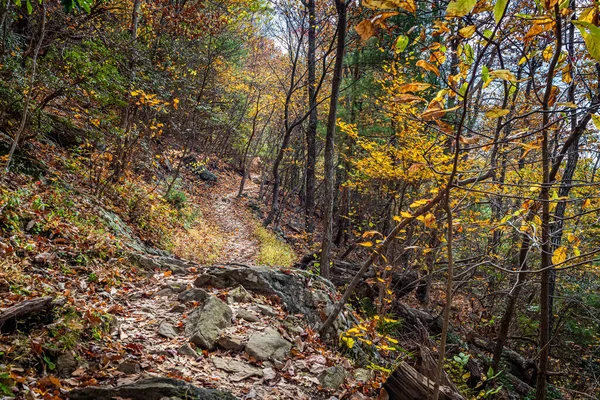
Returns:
(235,222)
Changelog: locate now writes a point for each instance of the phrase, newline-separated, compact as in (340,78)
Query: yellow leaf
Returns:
(533,31)
(418,203)
(408,5)
(503,74)
(559,255)
(365,29)
(407,97)
(548,52)
(428,67)
(596,121)
(404,214)
(586,202)
(460,8)
(497,113)
(366,244)
(467,31)
(413,87)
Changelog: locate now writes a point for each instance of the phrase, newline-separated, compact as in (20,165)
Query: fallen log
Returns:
(26,308)
(406,383)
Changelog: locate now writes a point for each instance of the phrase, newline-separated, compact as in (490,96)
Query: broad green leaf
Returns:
(485,73)
(29,7)
(591,36)
(401,43)
(499,8)
(460,8)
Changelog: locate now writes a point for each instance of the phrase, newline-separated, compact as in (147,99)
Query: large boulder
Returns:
(205,323)
(268,345)
(150,389)
(301,292)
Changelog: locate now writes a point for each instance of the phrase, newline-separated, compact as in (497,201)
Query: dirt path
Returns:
(236,224)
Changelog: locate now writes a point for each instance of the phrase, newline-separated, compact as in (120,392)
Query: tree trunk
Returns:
(546,249)
(342,8)
(311,131)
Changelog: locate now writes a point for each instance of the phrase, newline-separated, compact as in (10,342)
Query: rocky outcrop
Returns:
(301,292)
(205,323)
(150,389)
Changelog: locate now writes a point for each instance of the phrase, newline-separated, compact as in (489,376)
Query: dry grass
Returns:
(272,251)
(202,243)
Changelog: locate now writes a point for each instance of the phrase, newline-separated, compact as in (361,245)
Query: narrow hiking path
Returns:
(235,221)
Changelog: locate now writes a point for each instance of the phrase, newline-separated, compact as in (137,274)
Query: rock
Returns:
(269,373)
(187,350)
(206,175)
(265,310)
(194,294)
(268,345)
(129,367)
(231,342)
(239,295)
(177,287)
(66,364)
(167,330)
(204,324)
(247,315)
(150,389)
(164,292)
(235,366)
(301,292)
(144,262)
(179,308)
(362,375)
(332,377)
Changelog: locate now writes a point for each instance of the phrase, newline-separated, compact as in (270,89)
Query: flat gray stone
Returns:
(231,342)
(194,294)
(129,367)
(187,350)
(268,345)
(167,330)
(247,315)
(265,310)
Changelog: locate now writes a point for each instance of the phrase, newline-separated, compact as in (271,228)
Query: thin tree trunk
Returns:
(546,249)
(311,131)
(342,8)
(448,306)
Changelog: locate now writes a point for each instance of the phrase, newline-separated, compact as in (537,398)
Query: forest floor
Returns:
(119,325)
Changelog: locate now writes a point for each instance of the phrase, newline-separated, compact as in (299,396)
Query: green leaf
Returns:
(485,73)
(29,7)
(591,36)
(85,4)
(401,43)
(499,8)
(460,8)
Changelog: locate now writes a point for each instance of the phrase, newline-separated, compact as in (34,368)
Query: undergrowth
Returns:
(272,251)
